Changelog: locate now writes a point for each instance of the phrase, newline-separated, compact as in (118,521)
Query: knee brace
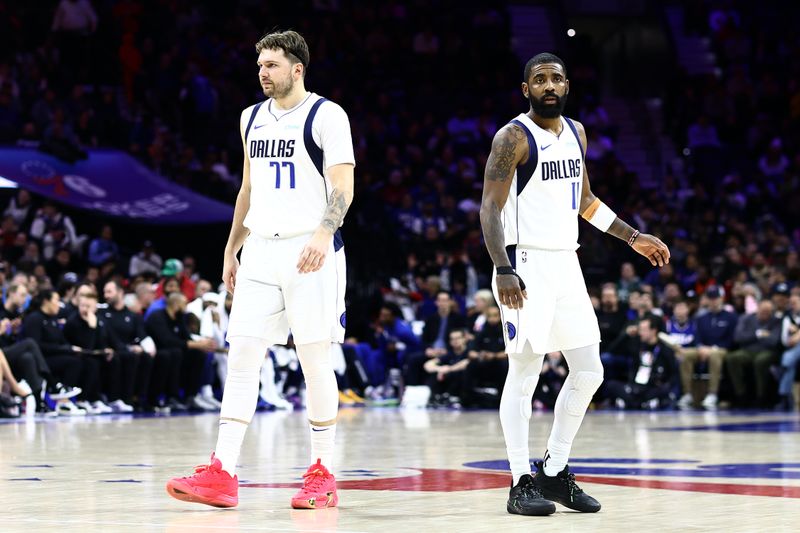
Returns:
(528,388)
(584,385)
(246,353)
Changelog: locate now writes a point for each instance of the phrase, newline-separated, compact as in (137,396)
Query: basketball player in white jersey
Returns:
(297,186)
(535,186)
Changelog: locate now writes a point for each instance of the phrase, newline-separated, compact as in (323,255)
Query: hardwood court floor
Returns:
(421,471)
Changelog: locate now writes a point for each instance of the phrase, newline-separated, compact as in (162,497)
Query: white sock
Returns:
(239,398)
(322,398)
(515,408)
(585,377)
(322,443)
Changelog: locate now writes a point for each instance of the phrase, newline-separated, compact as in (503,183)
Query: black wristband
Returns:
(509,271)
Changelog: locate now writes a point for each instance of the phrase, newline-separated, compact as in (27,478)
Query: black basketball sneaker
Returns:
(562,489)
(524,498)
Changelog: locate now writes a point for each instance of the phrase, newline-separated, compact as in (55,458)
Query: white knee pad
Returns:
(584,385)
(528,388)
(246,353)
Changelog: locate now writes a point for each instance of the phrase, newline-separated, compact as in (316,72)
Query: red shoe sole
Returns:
(179,491)
(332,501)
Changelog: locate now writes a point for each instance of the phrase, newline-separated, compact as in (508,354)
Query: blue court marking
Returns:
(34,466)
(119,481)
(24,479)
(740,470)
(766,426)
(139,465)
(632,460)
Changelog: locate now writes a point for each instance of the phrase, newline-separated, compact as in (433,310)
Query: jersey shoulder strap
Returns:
(314,151)
(577,137)
(252,118)
(526,170)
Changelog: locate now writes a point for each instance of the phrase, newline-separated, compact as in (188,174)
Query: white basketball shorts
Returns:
(272,298)
(558,314)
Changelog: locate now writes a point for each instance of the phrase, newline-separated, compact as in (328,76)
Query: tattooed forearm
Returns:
(493,234)
(338,204)
(620,229)
(503,159)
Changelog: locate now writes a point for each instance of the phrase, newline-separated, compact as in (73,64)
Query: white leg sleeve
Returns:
(515,408)
(585,377)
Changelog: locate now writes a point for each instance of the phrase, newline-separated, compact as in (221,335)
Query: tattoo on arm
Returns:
(499,170)
(336,210)
(493,234)
(620,229)
(502,160)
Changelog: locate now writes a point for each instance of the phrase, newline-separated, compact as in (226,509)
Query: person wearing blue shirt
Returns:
(714,338)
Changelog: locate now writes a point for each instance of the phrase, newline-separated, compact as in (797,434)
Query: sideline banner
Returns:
(112,183)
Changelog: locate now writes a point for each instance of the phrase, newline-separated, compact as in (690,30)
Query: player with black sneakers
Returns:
(535,186)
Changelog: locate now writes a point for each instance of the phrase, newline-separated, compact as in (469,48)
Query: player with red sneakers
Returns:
(299,153)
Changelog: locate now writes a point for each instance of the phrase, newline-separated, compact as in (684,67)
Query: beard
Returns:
(548,110)
(279,89)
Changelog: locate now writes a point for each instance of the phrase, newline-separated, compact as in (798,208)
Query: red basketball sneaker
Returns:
(319,489)
(209,484)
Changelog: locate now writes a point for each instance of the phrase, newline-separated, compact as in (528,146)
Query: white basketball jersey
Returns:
(542,206)
(289,152)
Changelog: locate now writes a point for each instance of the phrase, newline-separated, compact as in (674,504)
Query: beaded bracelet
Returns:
(633,237)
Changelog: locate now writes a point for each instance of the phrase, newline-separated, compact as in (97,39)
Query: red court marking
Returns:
(775,491)
(443,480)
(429,480)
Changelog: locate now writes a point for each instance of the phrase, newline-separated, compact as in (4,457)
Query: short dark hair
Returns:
(44,295)
(540,59)
(392,308)
(292,43)
(653,321)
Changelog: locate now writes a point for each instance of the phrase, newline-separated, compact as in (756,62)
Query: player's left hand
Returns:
(652,248)
(314,252)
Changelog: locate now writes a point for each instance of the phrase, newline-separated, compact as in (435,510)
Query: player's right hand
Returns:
(510,292)
(229,268)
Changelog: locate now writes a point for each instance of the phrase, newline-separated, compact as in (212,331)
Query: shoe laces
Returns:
(572,486)
(530,490)
(204,470)
(314,479)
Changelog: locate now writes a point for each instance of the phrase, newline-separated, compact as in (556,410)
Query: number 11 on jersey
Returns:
(576,187)
(278,165)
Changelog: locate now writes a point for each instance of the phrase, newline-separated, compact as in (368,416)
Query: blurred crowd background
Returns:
(692,113)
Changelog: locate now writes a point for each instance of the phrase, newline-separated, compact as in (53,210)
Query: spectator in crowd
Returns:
(445,372)
(54,230)
(90,333)
(127,329)
(173,269)
(790,339)
(680,328)
(145,262)
(20,209)
(611,316)
(8,406)
(145,296)
(476,315)
(180,360)
(780,298)
(70,305)
(758,337)
(628,281)
(713,341)
(652,376)
(435,336)
(64,359)
(169,285)
(103,249)
(393,340)
(486,372)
